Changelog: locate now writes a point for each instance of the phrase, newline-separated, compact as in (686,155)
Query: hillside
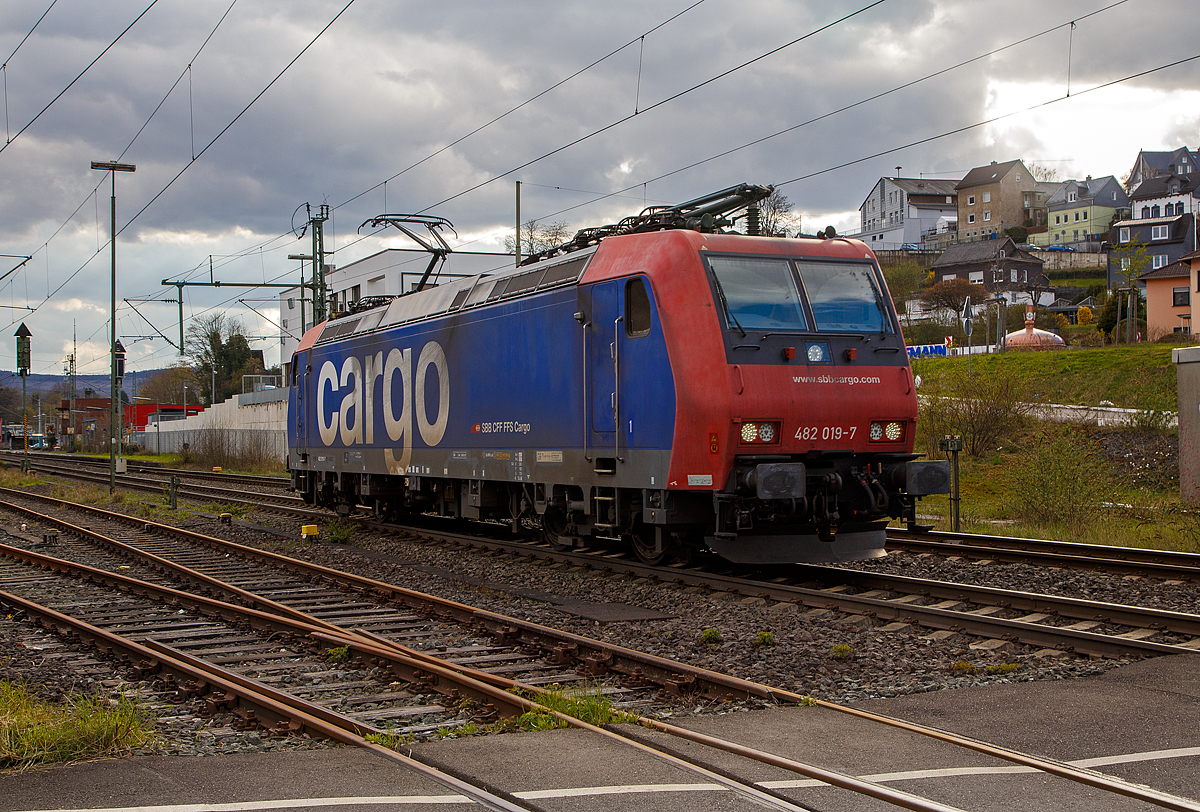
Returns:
(48,383)
(1137,377)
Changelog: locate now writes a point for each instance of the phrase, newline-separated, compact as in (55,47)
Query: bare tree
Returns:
(775,216)
(220,354)
(166,385)
(1043,173)
(537,236)
(951,294)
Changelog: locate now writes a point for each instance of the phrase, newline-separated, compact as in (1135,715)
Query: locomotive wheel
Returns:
(642,541)
(555,525)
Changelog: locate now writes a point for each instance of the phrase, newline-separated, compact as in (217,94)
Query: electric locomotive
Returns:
(665,381)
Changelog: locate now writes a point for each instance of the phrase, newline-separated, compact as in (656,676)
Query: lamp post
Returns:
(112,168)
(23,335)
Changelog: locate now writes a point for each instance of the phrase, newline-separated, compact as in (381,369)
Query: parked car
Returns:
(908,246)
(1059,248)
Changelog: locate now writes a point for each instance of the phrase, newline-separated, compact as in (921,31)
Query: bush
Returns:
(1058,483)
(979,407)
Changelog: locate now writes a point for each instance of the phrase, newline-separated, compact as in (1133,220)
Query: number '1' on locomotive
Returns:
(662,382)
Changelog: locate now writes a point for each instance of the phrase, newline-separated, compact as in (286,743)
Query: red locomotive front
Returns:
(795,410)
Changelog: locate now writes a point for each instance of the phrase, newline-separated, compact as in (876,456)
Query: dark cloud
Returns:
(391,83)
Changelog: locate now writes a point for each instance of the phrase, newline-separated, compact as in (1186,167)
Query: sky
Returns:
(238,113)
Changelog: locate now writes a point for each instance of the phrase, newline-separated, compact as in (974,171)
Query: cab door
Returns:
(619,323)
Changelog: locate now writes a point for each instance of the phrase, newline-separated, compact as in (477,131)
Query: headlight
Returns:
(890,431)
(760,432)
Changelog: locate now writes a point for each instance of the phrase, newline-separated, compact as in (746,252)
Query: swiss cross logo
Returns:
(477,428)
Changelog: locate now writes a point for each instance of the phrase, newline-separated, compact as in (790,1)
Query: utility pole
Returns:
(518,240)
(320,295)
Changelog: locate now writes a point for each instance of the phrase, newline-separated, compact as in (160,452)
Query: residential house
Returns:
(1163,218)
(999,265)
(1169,298)
(998,196)
(1182,161)
(1080,212)
(387,273)
(907,211)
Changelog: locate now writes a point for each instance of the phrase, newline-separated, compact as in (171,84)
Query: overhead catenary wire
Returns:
(641,38)
(657,104)
(4,67)
(206,148)
(62,92)
(839,110)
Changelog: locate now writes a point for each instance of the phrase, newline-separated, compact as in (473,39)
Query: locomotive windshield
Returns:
(843,298)
(769,293)
(758,293)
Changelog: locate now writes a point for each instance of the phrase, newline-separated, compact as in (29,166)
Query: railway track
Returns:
(40,458)
(218,631)
(155,483)
(902,604)
(1129,560)
(1125,560)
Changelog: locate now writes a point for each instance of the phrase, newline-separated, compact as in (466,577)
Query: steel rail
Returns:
(248,479)
(193,491)
(928,616)
(237,593)
(1115,613)
(600,660)
(424,671)
(292,714)
(595,656)
(1062,770)
(211,607)
(386,650)
(1164,563)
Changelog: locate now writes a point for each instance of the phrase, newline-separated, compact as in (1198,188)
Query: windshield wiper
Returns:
(725,305)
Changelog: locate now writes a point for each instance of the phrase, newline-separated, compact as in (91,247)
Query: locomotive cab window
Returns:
(757,293)
(844,298)
(637,308)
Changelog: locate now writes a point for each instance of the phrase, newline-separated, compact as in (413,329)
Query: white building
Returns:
(904,211)
(388,273)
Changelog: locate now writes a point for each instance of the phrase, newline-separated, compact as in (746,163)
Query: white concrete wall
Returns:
(256,416)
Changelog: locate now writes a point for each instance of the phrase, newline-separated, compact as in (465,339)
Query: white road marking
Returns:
(949,772)
(622,790)
(579,792)
(283,803)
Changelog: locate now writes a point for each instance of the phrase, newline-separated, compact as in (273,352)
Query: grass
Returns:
(84,727)
(1137,377)
(1121,511)
(585,702)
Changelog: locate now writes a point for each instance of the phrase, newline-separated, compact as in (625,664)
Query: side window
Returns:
(637,308)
